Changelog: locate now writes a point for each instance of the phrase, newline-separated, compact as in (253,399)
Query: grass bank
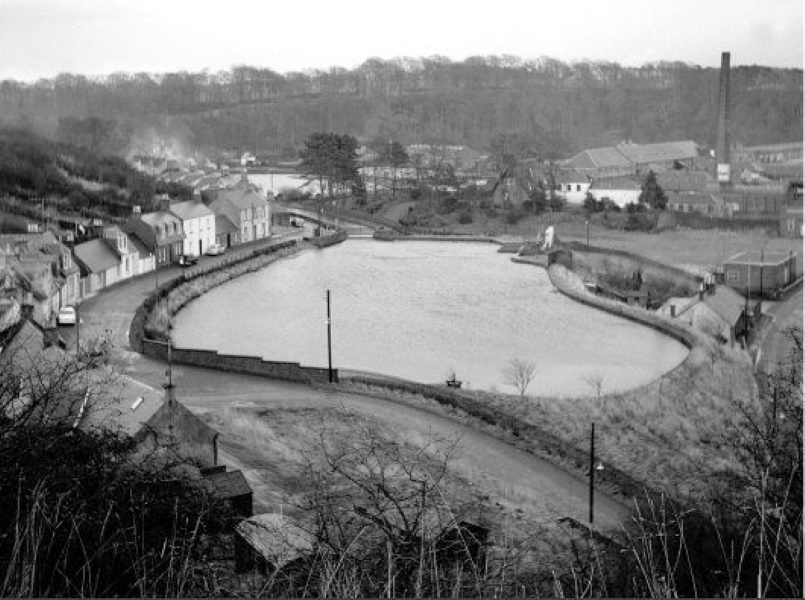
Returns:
(670,433)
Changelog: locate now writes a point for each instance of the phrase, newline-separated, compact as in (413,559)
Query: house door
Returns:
(200,246)
(228,240)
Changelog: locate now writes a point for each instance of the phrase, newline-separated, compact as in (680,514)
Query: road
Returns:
(788,313)
(517,479)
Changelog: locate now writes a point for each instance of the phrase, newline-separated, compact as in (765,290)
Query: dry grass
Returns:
(682,247)
(669,433)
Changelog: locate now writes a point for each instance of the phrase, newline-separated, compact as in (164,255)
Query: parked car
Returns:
(67,316)
(186,260)
(215,250)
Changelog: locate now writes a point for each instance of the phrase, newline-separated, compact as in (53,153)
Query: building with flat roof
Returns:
(760,273)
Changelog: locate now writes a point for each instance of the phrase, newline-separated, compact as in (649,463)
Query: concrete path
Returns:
(513,477)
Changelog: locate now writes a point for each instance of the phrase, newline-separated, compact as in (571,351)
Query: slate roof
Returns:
(224,225)
(597,158)
(240,198)
(190,210)
(96,256)
(159,217)
(615,183)
(649,153)
(126,407)
(228,484)
(694,199)
(136,243)
(571,176)
(627,155)
(725,302)
(683,181)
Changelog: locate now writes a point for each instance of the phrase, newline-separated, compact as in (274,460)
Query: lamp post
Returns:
(593,468)
(77,331)
(587,222)
(329,342)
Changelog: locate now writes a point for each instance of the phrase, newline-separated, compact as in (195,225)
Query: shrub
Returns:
(513,216)
(465,217)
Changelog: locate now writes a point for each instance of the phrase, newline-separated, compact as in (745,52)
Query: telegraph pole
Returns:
(329,342)
(592,470)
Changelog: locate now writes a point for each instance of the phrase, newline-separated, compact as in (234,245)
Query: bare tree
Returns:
(596,381)
(381,514)
(519,374)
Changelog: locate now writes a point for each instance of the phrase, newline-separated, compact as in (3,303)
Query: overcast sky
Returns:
(41,38)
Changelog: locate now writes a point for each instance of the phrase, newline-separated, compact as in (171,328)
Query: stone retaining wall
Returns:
(561,279)
(250,365)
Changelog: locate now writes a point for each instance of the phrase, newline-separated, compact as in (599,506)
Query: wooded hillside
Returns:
(70,179)
(545,106)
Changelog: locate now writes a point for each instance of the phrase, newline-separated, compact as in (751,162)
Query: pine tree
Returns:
(652,194)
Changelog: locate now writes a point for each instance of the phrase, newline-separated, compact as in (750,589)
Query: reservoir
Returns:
(418,310)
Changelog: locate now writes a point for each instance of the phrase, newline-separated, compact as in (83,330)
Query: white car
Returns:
(215,250)
(67,316)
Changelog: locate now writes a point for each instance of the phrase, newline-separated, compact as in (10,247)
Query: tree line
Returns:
(556,106)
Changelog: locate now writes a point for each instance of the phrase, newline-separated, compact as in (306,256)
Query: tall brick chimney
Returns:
(722,133)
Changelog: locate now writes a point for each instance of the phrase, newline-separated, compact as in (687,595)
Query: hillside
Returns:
(544,107)
(64,179)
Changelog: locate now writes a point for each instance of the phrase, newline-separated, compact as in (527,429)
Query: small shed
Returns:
(760,273)
(232,488)
(271,541)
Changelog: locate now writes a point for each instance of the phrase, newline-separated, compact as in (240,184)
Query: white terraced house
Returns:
(198,223)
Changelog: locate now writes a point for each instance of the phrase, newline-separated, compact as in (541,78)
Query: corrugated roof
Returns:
(278,538)
(190,210)
(96,255)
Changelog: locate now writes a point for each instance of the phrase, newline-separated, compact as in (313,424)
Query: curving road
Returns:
(516,479)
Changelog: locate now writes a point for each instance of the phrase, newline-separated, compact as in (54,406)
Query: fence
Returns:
(736,223)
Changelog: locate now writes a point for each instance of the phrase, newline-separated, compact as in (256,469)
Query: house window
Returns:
(791,224)
(578,187)
(569,187)
(733,275)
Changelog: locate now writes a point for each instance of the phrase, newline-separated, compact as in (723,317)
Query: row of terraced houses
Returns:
(40,270)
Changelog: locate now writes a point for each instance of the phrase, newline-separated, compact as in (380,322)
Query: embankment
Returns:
(618,268)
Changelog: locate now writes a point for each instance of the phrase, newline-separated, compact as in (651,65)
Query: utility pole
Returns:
(77,331)
(592,470)
(329,342)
